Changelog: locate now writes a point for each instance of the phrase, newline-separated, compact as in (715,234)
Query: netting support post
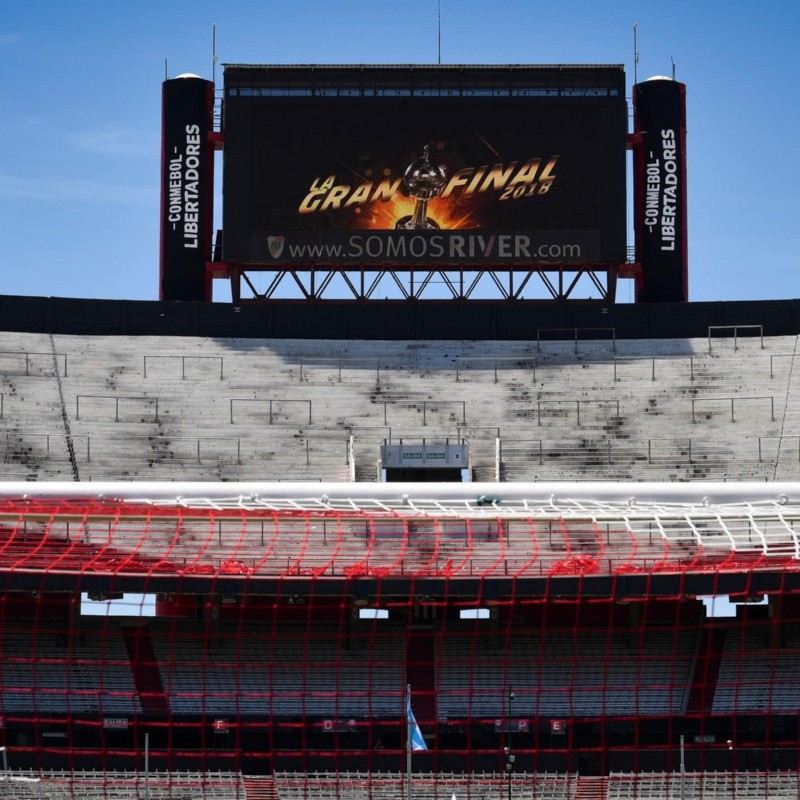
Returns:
(147,766)
(683,772)
(510,758)
(408,739)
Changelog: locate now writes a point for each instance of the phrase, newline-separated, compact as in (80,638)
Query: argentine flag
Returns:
(415,734)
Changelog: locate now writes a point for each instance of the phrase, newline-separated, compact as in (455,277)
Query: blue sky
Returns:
(81,115)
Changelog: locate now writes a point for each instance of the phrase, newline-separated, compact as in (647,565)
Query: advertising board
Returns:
(660,197)
(422,180)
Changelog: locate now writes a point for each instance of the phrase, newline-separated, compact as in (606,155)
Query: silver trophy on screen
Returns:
(423,181)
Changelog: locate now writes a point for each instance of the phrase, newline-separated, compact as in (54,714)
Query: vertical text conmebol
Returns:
(184,177)
(669,204)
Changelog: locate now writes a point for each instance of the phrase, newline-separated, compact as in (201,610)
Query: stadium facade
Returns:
(571,528)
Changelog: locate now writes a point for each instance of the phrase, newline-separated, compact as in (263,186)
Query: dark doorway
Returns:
(421,475)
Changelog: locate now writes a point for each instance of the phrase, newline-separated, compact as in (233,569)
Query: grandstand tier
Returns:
(89,408)
(547,604)
(601,666)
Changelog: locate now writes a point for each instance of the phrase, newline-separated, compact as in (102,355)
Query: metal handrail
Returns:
(539,404)
(653,360)
(496,360)
(30,353)
(539,331)
(183,362)
(732,401)
(735,329)
(116,399)
(425,404)
(270,401)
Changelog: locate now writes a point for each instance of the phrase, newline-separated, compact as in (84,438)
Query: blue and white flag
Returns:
(415,734)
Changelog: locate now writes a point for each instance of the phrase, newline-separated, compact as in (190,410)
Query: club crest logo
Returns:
(275,245)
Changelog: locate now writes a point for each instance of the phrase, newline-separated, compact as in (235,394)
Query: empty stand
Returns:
(47,671)
(258,671)
(759,675)
(658,409)
(609,675)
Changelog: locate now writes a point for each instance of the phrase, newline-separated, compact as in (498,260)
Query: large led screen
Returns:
(424,181)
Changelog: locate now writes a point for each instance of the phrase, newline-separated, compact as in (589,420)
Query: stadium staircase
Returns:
(420,674)
(144,666)
(591,787)
(259,788)
(706,671)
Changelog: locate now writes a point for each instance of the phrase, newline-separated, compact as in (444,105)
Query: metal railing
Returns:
(652,451)
(779,440)
(155,448)
(495,430)
(735,329)
(271,405)
(353,429)
(536,452)
(495,363)
(575,332)
(732,401)
(655,451)
(425,404)
(540,403)
(494,360)
(199,441)
(16,439)
(777,355)
(311,445)
(116,399)
(183,362)
(653,360)
(415,441)
(28,354)
(342,362)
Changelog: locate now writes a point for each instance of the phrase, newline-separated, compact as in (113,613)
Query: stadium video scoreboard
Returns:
(417,166)
(407,165)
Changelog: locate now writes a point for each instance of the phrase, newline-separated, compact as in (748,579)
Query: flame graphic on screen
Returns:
(383,216)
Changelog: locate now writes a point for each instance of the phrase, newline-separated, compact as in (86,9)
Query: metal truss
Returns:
(573,283)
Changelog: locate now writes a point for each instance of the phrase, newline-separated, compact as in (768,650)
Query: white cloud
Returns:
(76,190)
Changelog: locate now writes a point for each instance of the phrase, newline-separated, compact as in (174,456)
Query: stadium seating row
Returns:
(252,673)
(657,409)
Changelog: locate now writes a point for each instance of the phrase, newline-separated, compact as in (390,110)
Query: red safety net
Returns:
(268,653)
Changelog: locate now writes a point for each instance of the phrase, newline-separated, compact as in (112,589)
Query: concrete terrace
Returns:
(177,408)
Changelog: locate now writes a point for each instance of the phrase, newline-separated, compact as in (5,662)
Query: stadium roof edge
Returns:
(440,67)
(487,496)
